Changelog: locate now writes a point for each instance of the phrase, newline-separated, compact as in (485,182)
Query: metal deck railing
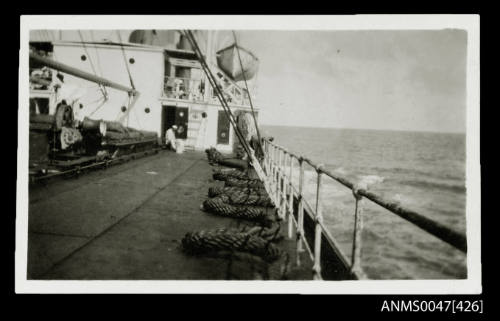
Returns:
(292,205)
(194,90)
(183,88)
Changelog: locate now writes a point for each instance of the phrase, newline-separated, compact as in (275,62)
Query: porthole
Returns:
(81,106)
(83,57)
(131,60)
(147,110)
(204,114)
(124,108)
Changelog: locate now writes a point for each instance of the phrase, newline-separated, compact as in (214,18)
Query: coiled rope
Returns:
(251,183)
(256,214)
(240,198)
(216,190)
(212,241)
(222,175)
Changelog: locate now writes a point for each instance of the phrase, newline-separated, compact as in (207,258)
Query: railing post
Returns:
(357,237)
(290,198)
(266,156)
(274,186)
(300,214)
(278,183)
(273,167)
(317,228)
(284,187)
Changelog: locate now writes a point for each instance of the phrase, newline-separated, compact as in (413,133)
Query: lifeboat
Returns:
(228,61)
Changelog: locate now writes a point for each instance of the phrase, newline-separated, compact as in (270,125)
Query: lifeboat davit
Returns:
(228,61)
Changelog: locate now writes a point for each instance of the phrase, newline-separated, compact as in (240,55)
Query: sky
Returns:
(389,80)
(372,79)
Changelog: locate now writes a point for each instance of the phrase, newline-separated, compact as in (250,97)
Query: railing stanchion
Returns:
(290,198)
(273,161)
(275,177)
(281,186)
(300,214)
(357,237)
(278,183)
(285,184)
(270,174)
(317,228)
(284,187)
(266,155)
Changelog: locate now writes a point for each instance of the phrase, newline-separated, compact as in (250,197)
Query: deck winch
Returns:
(63,143)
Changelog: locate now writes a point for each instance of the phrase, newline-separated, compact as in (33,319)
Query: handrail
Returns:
(192,92)
(437,229)
(189,89)
(277,175)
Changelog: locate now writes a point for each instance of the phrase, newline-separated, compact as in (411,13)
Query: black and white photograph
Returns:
(249,154)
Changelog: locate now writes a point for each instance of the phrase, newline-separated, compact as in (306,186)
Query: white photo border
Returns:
(469,23)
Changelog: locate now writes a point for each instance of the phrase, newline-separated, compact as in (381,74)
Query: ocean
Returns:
(423,171)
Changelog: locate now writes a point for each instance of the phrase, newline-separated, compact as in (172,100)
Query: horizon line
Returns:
(374,129)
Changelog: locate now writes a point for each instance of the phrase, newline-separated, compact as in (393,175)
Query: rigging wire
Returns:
(102,101)
(128,72)
(99,68)
(220,96)
(125,59)
(119,115)
(218,91)
(52,38)
(248,91)
(137,118)
(90,61)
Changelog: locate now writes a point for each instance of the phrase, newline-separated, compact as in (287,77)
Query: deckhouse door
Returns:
(222,128)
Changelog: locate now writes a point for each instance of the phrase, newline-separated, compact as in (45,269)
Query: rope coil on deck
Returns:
(207,242)
(223,175)
(251,183)
(217,206)
(215,191)
(240,198)
(213,155)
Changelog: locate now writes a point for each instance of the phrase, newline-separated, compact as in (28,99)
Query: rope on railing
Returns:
(277,172)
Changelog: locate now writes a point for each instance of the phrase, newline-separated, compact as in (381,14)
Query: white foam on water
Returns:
(340,171)
(365,181)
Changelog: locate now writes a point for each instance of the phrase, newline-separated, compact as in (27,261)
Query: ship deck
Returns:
(126,222)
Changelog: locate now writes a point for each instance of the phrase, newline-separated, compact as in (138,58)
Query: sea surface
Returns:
(422,171)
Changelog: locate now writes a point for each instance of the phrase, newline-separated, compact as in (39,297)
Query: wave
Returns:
(340,171)
(401,170)
(436,185)
(367,180)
